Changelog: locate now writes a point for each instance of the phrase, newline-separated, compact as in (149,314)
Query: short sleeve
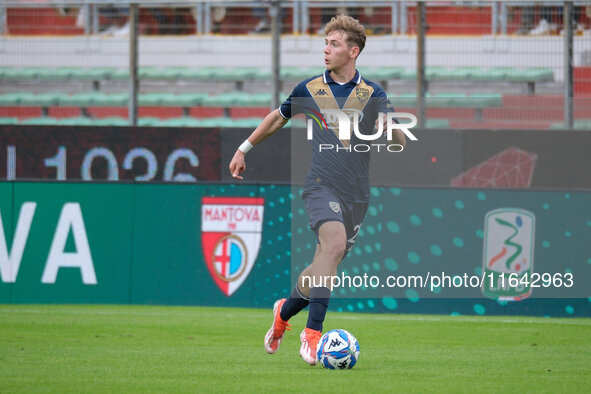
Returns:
(285,108)
(383,102)
(293,104)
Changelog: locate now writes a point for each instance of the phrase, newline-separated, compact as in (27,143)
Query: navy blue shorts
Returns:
(323,205)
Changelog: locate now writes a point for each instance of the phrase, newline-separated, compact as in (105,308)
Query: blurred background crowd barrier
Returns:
(487,64)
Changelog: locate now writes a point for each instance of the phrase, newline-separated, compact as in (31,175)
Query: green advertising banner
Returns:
(239,245)
(466,251)
(137,243)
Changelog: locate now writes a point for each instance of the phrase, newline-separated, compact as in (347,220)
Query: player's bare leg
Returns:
(332,239)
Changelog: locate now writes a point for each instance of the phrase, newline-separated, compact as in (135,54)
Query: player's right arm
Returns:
(272,122)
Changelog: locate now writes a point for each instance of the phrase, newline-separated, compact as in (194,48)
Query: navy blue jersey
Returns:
(344,171)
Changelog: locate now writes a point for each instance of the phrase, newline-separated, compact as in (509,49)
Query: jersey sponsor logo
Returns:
(335,206)
(231,232)
(362,94)
(321,92)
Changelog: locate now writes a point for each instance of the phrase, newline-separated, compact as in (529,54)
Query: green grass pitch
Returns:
(105,349)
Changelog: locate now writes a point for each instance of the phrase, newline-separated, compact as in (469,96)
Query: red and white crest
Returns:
(231,231)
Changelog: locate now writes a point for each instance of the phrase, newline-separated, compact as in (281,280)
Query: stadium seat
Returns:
(430,72)
(41,99)
(110,121)
(404,100)
(262,75)
(578,124)
(44,120)
(150,73)
(181,122)
(8,120)
(216,122)
(240,74)
(94,99)
(197,74)
(55,74)
(495,74)
(221,100)
(78,100)
(152,99)
(91,74)
(171,99)
(110,100)
(479,100)
(454,74)
(237,99)
(149,121)
(293,73)
(255,100)
(120,74)
(433,73)
(77,121)
(183,99)
(85,99)
(13,99)
(24,73)
(409,75)
(169,73)
(531,75)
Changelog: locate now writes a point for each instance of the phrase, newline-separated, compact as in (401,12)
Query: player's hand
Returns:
(237,165)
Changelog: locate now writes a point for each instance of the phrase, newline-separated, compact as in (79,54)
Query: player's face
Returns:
(337,52)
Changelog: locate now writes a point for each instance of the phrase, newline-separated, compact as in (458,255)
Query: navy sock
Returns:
(319,297)
(295,303)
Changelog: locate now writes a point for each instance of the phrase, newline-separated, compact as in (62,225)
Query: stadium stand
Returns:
(464,94)
(238,97)
(239,75)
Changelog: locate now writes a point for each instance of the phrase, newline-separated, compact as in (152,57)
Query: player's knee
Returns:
(334,248)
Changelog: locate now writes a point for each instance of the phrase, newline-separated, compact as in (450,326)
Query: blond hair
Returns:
(355,30)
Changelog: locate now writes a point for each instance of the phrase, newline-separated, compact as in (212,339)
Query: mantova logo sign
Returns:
(70,221)
(231,230)
(231,236)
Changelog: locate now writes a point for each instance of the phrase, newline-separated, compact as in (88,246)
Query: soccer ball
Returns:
(338,349)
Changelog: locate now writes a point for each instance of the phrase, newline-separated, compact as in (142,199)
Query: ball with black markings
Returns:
(338,349)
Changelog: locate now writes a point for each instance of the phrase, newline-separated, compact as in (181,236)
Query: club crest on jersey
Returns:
(231,232)
(335,206)
(362,94)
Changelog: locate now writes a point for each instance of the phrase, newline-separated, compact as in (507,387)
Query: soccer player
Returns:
(336,190)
